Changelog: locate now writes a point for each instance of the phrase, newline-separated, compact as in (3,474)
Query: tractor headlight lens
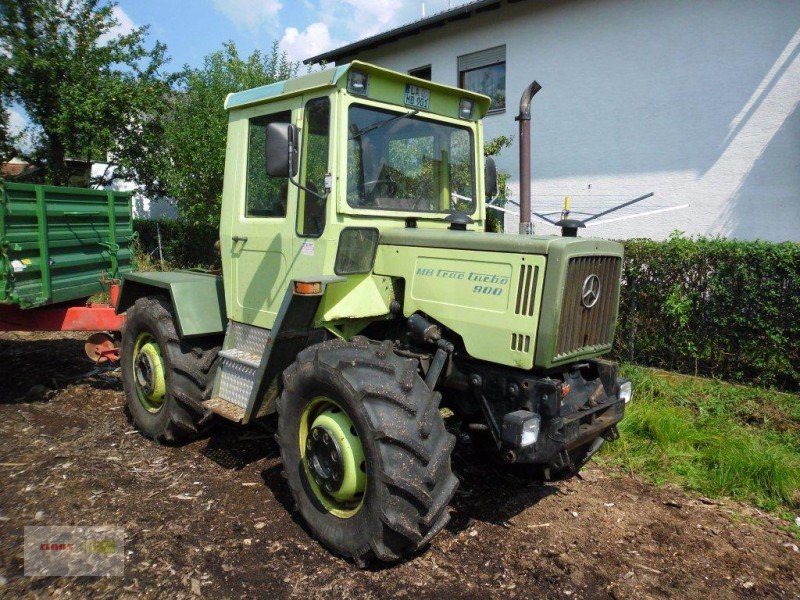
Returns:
(530,431)
(358,83)
(626,391)
(465,108)
(356,252)
(521,428)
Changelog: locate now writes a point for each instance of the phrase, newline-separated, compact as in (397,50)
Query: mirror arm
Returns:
(308,191)
(297,183)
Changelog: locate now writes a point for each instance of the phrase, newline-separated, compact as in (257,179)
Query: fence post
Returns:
(160,252)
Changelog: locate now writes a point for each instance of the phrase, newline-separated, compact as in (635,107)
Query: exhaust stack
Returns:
(524,118)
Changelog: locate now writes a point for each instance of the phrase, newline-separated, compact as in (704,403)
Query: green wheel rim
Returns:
(148,373)
(341,494)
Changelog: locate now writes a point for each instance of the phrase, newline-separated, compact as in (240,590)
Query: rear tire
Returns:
(406,449)
(165,378)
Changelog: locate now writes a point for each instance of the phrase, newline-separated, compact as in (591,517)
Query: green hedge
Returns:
(183,245)
(722,308)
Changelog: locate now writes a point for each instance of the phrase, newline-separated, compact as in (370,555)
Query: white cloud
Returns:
(17,121)
(373,16)
(17,124)
(252,15)
(313,40)
(124,26)
(358,19)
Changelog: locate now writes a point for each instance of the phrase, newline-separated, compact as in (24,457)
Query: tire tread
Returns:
(414,447)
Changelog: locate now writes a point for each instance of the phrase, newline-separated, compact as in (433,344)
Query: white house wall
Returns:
(694,101)
(144,207)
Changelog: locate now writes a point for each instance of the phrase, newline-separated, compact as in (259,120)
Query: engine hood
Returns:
(497,242)
(501,293)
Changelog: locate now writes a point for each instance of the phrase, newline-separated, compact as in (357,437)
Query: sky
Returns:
(193,28)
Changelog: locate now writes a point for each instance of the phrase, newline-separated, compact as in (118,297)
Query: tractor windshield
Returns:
(398,161)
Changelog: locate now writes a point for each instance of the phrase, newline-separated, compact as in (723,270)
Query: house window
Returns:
(421,72)
(266,195)
(485,72)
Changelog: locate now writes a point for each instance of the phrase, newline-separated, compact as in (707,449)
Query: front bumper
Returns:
(565,433)
(571,411)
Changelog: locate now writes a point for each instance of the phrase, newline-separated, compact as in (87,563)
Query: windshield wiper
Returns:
(368,128)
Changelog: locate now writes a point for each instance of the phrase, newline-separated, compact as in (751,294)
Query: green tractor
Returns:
(363,302)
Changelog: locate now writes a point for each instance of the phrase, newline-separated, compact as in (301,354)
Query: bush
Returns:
(183,245)
(724,308)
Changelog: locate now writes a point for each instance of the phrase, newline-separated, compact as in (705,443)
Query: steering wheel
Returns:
(391,186)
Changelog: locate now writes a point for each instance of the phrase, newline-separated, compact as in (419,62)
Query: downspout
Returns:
(524,118)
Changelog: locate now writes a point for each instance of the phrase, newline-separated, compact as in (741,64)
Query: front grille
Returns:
(581,328)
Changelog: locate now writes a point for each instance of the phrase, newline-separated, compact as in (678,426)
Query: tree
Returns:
(6,146)
(181,153)
(6,143)
(84,87)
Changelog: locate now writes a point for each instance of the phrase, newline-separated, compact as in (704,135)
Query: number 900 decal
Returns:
(489,291)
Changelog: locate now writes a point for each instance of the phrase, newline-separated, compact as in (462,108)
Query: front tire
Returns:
(165,378)
(398,440)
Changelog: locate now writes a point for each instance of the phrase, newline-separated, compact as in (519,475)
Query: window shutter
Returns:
(482,58)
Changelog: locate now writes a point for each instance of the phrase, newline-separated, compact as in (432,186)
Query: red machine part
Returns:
(101,348)
(88,317)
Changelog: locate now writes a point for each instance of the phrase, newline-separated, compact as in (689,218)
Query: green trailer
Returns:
(60,244)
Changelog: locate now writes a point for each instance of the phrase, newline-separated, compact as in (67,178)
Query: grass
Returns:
(715,438)
(144,261)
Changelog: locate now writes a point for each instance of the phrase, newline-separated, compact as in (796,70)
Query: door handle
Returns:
(239,238)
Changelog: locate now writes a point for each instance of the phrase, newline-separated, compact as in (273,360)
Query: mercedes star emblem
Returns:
(591,291)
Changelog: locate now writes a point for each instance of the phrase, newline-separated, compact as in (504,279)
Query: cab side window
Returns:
(311,216)
(266,195)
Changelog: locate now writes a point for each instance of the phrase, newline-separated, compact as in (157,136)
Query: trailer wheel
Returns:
(165,378)
(366,453)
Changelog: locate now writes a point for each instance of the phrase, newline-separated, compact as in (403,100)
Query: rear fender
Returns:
(198,298)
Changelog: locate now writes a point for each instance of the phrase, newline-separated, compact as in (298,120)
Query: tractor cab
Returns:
(355,146)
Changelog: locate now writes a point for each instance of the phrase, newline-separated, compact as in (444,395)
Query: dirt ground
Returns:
(214,517)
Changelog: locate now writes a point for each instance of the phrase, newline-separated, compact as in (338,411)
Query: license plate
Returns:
(418,97)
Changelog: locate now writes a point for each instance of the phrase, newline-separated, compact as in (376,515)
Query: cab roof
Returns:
(337,77)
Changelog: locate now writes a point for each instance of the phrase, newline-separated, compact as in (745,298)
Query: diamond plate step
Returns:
(247,337)
(223,408)
(240,363)
(240,356)
(237,377)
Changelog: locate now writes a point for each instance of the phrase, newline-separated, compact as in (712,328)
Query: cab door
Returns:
(263,231)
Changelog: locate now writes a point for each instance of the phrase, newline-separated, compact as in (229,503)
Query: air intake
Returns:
(526,290)
(520,342)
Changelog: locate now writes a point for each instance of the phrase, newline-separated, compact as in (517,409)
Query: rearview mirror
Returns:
(281,150)
(490,177)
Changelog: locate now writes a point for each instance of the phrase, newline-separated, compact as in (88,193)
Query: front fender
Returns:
(198,298)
